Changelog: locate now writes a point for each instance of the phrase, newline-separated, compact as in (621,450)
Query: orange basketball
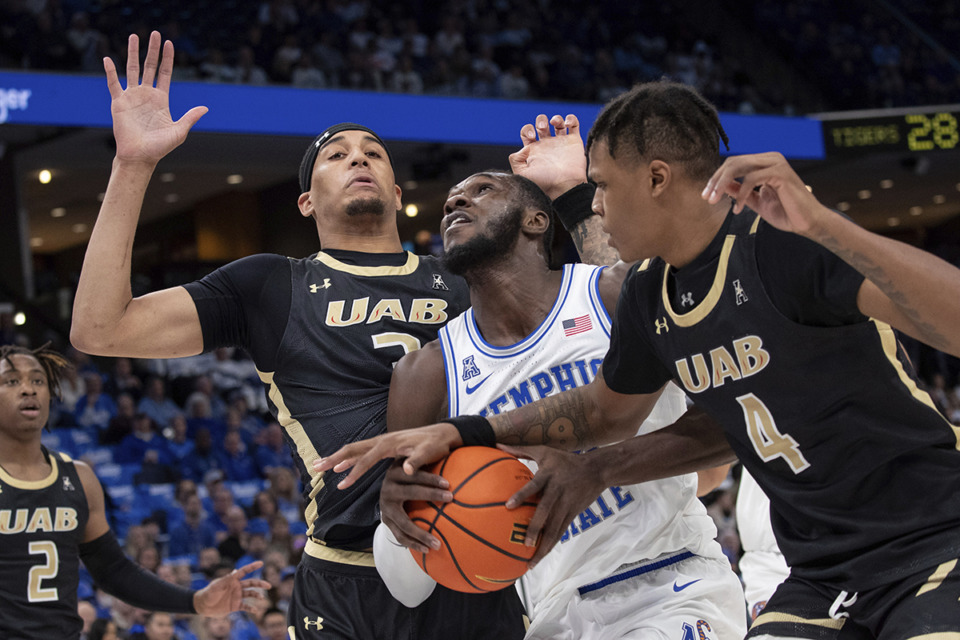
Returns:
(481,541)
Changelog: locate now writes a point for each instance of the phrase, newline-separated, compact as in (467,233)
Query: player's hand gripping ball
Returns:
(482,546)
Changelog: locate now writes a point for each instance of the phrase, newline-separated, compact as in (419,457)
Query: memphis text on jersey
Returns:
(554,380)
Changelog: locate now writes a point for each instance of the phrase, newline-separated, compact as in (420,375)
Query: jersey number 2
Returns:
(41,572)
(393,339)
(766,438)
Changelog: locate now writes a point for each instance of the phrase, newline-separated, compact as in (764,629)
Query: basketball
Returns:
(482,546)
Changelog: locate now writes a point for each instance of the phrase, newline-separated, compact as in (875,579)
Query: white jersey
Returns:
(625,525)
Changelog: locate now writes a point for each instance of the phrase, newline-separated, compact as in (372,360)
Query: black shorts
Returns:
(350,602)
(921,605)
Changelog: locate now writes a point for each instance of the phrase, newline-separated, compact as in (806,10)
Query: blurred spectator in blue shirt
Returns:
(156,404)
(236,464)
(272,451)
(95,408)
(195,533)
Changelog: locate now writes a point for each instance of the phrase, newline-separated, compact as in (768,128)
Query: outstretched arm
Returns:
(107,320)
(577,419)
(121,577)
(907,288)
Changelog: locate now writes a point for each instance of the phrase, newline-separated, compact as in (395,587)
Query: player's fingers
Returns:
(166,67)
(410,535)
(543,126)
(190,118)
(152,60)
(518,159)
(528,134)
(572,123)
(113,82)
(423,455)
(247,568)
(558,126)
(524,453)
(133,60)
(531,488)
(424,478)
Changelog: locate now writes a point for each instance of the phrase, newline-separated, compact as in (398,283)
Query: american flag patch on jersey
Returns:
(573,326)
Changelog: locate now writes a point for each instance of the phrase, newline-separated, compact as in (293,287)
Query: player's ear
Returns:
(659,175)
(535,221)
(305,205)
(399,197)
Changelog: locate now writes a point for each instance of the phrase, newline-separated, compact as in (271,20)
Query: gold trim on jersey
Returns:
(8,479)
(937,577)
(644,265)
(413,261)
(700,311)
(942,635)
(888,340)
(753,227)
(359,558)
(305,449)
(767,618)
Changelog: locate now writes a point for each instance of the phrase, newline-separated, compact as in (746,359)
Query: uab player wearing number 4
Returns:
(52,516)
(788,342)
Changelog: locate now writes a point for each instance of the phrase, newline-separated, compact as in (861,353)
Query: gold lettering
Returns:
(751,355)
(703,375)
(723,366)
(387,308)
(66,519)
(358,312)
(428,311)
(41,521)
(18,526)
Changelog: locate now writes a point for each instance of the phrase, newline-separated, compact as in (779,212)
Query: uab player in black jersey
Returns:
(324,332)
(52,517)
(778,321)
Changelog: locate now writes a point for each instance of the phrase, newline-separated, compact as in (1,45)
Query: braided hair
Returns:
(663,120)
(52,362)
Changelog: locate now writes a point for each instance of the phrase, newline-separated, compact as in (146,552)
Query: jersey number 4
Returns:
(766,438)
(41,572)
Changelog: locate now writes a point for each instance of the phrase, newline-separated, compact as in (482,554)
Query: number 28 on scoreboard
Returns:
(915,132)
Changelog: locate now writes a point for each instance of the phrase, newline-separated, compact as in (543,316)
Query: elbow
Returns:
(88,341)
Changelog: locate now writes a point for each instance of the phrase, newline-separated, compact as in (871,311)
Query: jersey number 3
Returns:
(41,572)
(766,438)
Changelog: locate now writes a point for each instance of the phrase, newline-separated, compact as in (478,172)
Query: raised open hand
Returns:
(144,130)
(555,162)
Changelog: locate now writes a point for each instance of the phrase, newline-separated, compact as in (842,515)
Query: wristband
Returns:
(475,431)
(574,206)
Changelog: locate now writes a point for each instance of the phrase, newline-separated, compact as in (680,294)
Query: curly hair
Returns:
(663,120)
(52,362)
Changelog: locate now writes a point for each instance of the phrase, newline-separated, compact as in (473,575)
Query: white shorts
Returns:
(695,594)
(762,572)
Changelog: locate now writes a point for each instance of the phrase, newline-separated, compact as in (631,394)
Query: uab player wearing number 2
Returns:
(52,517)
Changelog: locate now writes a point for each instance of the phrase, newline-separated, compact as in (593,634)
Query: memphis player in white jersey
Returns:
(642,561)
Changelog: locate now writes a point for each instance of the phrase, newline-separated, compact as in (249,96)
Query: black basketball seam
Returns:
(456,564)
(484,541)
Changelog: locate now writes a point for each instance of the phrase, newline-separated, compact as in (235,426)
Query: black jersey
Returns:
(325,333)
(860,468)
(42,524)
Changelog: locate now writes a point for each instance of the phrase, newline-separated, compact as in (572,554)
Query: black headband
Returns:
(310,157)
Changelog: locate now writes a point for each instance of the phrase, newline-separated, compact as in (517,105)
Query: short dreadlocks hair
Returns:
(662,120)
(52,362)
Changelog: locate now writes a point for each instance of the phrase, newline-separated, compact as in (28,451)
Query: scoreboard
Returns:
(913,132)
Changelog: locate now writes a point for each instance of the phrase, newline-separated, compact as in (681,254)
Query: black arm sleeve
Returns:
(119,576)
